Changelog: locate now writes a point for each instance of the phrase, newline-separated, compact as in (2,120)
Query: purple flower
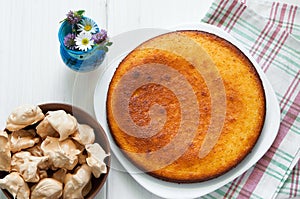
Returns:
(69,41)
(74,17)
(100,36)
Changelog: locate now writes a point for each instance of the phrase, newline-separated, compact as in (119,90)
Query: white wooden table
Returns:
(31,70)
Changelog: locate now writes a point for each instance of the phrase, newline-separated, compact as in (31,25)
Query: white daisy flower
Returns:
(87,25)
(84,41)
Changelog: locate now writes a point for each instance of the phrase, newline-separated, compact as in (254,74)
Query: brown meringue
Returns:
(27,165)
(74,184)
(5,155)
(84,135)
(24,116)
(22,139)
(62,154)
(47,188)
(65,124)
(36,150)
(60,175)
(87,188)
(15,185)
(95,160)
(45,129)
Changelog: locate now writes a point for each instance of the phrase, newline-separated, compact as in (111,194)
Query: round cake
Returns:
(186,106)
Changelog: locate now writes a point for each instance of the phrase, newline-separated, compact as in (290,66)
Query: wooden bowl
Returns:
(100,137)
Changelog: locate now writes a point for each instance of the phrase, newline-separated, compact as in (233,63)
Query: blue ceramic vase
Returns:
(79,61)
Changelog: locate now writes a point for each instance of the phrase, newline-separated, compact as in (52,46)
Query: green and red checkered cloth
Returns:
(270,31)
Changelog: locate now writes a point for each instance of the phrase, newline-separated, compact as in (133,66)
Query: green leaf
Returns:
(103,48)
(109,43)
(80,12)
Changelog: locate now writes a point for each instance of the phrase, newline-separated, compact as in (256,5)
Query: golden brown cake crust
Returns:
(244,119)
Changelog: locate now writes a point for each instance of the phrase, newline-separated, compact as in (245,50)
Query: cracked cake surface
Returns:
(162,127)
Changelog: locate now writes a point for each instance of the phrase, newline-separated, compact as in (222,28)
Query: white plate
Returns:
(126,42)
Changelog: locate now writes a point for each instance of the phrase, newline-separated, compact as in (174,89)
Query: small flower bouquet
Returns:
(83,44)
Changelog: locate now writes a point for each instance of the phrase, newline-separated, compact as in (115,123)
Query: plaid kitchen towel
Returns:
(270,31)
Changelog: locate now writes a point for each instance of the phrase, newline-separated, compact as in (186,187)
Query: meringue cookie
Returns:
(95,160)
(74,184)
(65,124)
(60,175)
(87,188)
(47,188)
(84,135)
(62,154)
(27,165)
(5,156)
(22,139)
(45,129)
(15,184)
(24,116)
(36,150)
